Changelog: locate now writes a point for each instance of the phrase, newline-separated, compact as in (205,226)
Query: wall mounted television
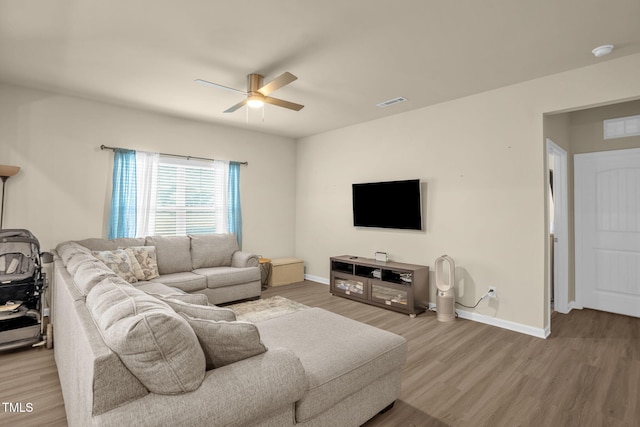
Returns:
(390,204)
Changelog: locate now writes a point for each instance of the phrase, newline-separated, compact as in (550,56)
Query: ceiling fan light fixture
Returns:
(255,101)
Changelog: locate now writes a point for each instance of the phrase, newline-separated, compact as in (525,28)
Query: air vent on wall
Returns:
(391,102)
(621,127)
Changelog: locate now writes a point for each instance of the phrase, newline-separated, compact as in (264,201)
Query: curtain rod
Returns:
(104,147)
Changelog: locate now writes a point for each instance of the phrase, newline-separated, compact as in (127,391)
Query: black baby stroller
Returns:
(22,285)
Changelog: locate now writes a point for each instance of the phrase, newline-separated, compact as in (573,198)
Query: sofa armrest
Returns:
(242,259)
(238,394)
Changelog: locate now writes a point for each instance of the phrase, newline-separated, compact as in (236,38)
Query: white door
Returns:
(607,226)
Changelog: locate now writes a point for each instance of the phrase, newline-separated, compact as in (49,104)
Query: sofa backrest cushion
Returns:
(98,244)
(155,343)
(226,342)
(67,250)
(212,250)
(89,274)
(78,259)
(173,253)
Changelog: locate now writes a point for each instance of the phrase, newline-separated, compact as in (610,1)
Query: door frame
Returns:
(561,229)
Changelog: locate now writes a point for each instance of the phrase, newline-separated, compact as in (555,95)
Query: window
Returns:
(170,195)
(190,196)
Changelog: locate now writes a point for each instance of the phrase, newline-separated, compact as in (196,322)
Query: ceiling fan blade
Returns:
(282,103)
(235,107)
(275,84)
(204,82)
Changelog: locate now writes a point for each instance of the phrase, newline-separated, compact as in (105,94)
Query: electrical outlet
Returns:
(493,293)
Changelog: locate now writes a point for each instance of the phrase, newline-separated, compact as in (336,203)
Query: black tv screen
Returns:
(391,204)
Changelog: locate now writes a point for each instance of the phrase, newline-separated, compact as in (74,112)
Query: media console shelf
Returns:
(393,285)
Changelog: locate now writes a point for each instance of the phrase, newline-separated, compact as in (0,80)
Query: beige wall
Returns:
(586,128)
(63,189)
(482,159)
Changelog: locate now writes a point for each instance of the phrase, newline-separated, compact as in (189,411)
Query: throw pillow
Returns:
(199,311)
(226,342)
(118,261)
(154,343)
(147,259)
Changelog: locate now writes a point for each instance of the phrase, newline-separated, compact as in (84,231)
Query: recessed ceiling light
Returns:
(602,50)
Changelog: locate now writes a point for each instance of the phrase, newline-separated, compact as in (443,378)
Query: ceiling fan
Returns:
(257,93)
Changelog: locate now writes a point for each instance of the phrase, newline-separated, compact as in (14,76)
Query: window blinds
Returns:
(190,194)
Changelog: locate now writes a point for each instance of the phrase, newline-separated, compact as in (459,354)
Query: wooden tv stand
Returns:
(392,285)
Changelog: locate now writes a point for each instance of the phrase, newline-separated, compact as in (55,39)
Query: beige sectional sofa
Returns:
(210,264)
(148,354)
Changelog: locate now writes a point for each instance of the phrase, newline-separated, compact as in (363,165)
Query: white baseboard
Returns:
(316,279)
(504,324)
(476,317)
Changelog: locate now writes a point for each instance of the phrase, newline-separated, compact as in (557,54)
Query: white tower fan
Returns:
(445,295)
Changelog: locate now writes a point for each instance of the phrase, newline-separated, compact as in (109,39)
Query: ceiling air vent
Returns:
(621,127)
(391,102)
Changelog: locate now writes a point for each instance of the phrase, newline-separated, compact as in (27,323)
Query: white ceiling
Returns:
(348,54)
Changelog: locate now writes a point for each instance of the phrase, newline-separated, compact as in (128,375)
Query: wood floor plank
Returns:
(461,373)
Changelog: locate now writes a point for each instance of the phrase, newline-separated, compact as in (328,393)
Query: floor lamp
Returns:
(5,173)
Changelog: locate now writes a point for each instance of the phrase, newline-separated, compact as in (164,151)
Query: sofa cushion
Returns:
(339,355)
(98,244)
(218,277)
(226,342)
(67,250)
(157,345)
(173,253)
(78,259)
(199,311)
(147,259)
(119,261)
(195,299)
(212,250)
(89,274)
(187,281)
(154,287)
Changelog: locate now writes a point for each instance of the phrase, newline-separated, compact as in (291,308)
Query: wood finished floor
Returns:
(461,373)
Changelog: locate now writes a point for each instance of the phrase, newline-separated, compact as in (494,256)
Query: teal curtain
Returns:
(122,217)
(235,211)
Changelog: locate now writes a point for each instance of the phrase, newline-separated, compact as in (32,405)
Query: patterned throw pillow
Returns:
(118,261)
(224,343)
(147,259)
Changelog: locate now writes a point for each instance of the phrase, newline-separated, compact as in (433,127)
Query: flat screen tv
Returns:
(391,204)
